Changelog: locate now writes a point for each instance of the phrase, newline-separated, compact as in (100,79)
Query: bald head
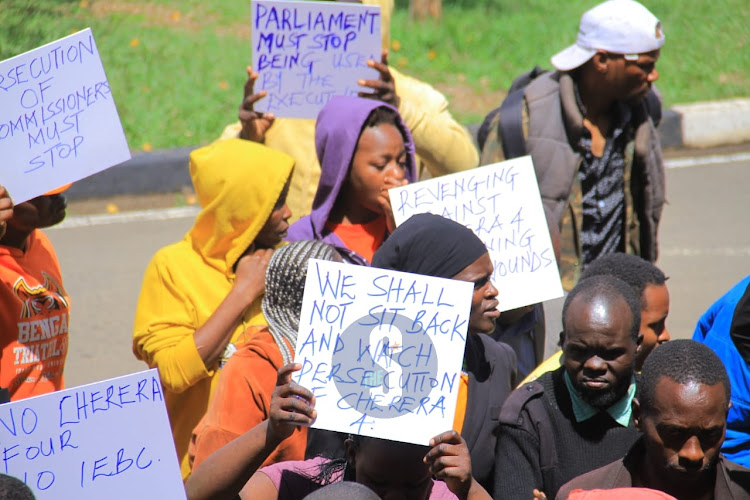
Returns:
(601,317)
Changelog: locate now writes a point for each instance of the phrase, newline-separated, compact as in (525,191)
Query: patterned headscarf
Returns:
(285,286)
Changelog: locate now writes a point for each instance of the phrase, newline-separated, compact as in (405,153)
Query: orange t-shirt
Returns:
(33,319)
(361,238)
(242,400)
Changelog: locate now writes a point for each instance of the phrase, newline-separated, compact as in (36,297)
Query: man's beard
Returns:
(601,400)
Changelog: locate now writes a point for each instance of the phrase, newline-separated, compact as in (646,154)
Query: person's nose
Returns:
(653,75)
(396,171)
(691,454)
(491,291)
(595,364)
(664,336)
(286,212)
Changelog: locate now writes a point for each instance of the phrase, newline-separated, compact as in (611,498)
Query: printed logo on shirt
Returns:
(38,299)
(44,323)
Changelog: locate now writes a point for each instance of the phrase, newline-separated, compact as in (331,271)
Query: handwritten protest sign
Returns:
(307,52)
(501,204)
(58,121)
(382,350)
(109,439)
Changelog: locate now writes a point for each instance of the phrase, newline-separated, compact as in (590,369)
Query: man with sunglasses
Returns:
(589,127)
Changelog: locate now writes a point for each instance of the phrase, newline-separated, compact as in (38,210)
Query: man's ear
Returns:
(560,345)
(639,342)
(600,60)
(635,406)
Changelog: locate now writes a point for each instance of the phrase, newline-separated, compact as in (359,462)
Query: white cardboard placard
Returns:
(382,350)
(501,204)
(58,120)
(307,52)
(109,439)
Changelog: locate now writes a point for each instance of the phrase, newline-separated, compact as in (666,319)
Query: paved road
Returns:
(705,249)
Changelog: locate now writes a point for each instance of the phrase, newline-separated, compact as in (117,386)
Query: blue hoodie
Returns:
(715,329)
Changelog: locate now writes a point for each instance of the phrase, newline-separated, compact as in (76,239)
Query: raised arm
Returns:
(449,460)
(254,123)
(213,336)
(164,335)
(443,145)
(223,474)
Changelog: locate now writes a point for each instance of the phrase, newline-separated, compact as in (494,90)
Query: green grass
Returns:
(176,68)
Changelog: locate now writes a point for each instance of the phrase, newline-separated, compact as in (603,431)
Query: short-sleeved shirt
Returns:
(34,319)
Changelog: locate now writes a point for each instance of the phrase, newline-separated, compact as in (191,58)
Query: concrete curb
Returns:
(699,125)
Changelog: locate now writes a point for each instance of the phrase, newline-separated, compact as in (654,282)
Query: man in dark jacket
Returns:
(578,417)
(592,138)
(681,410)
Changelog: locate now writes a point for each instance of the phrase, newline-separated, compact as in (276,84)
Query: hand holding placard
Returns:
(254,123)
(291,404)
(307,52)
(382,350)
(58,122)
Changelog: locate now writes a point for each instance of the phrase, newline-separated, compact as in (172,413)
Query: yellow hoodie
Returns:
(443,145)
(238,183)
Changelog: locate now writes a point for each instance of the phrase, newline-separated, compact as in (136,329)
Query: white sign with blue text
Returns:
(382,350)
(58,120)
(502,205)
(307,52)
(109,439)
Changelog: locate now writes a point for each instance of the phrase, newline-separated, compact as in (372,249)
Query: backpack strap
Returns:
(529,396)
(513,132)
(484,128)
(510,126)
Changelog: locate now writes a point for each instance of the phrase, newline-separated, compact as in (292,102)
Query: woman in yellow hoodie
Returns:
(199,294)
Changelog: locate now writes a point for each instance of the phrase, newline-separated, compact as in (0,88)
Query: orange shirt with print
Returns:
(33,319)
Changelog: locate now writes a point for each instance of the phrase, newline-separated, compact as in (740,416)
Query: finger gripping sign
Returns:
(109,439)
(307,52)
(382,350)
(502,205)
(58,120)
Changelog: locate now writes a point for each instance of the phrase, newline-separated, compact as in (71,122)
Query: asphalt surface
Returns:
(704,240)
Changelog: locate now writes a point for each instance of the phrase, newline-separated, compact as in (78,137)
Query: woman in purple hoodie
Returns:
(364,149)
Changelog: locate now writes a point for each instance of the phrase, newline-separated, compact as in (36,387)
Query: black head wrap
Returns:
(430,245)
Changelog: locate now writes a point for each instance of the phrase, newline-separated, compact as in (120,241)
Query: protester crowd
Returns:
(620,411)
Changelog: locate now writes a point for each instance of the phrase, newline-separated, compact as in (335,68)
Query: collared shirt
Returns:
(619,411)
(603,189)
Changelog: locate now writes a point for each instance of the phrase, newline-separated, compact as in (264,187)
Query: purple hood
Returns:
(337,131)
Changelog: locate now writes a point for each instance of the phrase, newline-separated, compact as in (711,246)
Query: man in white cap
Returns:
(592,138)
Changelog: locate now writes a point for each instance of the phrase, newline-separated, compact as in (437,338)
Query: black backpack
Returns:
(510,128)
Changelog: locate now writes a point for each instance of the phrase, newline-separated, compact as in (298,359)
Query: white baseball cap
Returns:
(618,26)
